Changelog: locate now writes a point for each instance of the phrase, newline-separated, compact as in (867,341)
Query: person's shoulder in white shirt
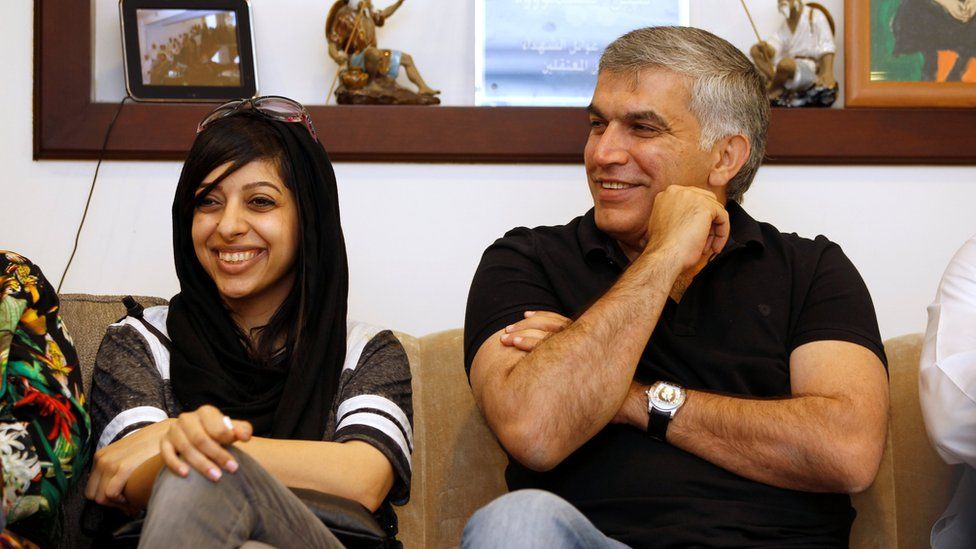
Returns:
(947,371)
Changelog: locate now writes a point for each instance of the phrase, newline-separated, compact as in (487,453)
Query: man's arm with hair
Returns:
(828,437)
(545,404)
(827,434)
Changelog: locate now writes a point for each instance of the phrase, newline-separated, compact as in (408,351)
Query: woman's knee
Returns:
(170,486)
(195,486)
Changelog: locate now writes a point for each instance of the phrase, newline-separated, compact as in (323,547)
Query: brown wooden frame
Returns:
(68,124)
(860,91)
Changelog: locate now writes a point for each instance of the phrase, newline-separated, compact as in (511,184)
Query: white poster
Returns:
(546,52)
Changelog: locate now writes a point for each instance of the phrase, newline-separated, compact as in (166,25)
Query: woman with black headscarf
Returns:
(251,379)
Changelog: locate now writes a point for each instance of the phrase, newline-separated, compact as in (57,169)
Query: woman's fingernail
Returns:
(231,466)
(228,423)
(518,340)
(529,313)
(509,328)
(214,474)
(183,470)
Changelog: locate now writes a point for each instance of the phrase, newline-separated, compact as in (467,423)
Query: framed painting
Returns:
(911,53)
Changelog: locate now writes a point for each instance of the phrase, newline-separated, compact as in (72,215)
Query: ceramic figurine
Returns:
(366,72)
(798,61)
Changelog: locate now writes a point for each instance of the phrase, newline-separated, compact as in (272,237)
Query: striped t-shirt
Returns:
(131,389)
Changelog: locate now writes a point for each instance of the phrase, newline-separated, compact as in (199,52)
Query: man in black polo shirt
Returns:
(665,370)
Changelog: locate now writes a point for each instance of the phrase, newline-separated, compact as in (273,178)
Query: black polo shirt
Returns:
(764,295)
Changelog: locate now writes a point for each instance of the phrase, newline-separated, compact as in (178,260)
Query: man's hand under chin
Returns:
(687,224)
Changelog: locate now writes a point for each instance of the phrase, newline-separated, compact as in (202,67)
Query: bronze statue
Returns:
(798,61)
(368,73)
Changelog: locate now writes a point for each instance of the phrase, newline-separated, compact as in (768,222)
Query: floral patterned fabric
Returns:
(45,432)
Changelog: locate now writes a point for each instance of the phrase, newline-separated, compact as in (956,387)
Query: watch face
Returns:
(666,397)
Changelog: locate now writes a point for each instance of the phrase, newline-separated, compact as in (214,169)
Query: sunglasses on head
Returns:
(274,107)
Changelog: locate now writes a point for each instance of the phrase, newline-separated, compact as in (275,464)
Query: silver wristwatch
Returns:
(663,402)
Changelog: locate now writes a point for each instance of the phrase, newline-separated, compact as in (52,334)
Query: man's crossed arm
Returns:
(546,386)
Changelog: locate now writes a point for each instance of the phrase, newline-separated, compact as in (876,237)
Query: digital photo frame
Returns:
(188,50)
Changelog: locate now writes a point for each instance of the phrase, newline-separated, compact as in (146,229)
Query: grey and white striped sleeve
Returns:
(127,392)
(375,405)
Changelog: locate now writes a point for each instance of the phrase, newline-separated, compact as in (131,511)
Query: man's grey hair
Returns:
(728,95)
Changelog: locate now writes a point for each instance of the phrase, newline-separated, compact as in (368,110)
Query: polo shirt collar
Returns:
(595,244)
(745,229)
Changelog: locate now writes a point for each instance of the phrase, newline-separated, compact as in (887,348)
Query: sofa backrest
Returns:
(466,470)
(458,465)
(916,482)
(86,317)
(465,465)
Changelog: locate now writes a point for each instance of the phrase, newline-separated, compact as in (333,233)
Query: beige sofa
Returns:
(458,465)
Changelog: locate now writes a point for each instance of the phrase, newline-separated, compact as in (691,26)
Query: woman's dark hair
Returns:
(241,140)
(212,352)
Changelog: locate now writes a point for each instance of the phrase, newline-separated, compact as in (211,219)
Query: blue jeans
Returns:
(530,519)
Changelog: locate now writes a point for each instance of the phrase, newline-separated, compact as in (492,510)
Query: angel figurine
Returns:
(368,73)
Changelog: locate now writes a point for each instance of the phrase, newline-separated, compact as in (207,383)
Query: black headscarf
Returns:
(210,363)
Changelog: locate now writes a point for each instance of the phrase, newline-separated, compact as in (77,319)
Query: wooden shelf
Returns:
(69,125)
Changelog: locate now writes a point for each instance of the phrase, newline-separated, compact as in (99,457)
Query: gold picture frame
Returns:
(877,76)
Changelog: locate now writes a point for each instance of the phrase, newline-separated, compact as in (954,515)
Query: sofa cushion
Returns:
(922,481)
(465,465)
(87,316)
(459,465)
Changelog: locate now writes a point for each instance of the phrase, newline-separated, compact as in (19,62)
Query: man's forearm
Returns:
(546,404)
(810,443)
(572,384)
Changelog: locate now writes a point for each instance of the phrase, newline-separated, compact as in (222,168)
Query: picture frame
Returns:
(546,54)
(897,55)
(188,50)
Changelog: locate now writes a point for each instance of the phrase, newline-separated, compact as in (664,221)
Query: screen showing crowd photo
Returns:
(180,47)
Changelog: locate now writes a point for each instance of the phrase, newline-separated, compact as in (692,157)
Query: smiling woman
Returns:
(245,235)
(224,399)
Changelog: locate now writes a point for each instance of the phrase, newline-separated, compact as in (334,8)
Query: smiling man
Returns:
(665,370)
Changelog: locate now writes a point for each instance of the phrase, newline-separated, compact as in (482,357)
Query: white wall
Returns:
(415,232)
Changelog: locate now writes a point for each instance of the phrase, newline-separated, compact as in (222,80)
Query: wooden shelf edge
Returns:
(69,126)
